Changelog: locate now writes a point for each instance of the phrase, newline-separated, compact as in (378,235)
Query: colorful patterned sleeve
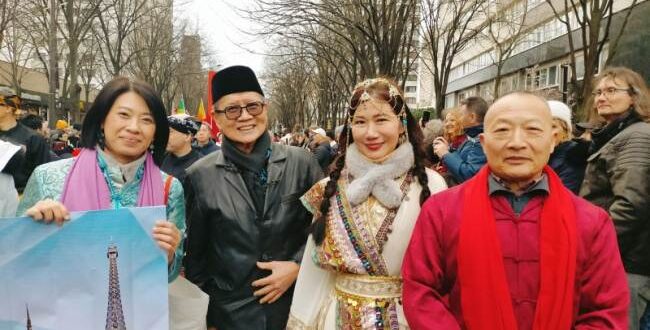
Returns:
(46,181)
(314,196)
(32,193)
(176,214)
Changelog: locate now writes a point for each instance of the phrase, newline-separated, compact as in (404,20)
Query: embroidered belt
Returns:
(369,287)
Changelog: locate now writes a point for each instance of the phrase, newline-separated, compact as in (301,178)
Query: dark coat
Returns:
(176,166)
(226,238)
(324,154)
(617,179)
(208,148)
(569,160)
(37,151)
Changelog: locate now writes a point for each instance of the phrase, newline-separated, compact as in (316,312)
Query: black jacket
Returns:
(569,160)
(226,238)
(176,166)
(208,148)
(37,151)
(324,154)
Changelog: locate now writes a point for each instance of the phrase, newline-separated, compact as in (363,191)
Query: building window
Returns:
(411,89)
(450,100)
(552,76)
(580,66)
(410,100)
(412,77)
(487,91)
(542,78)
(456,73)
(509,84)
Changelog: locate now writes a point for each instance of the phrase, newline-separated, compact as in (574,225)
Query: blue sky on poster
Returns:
(62,273)
(221,25)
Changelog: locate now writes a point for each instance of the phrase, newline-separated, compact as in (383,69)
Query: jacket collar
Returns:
(278,153)
(275,169)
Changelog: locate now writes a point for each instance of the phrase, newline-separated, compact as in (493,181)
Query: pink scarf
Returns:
(85,187)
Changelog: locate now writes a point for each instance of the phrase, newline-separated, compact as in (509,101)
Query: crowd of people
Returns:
(507,215)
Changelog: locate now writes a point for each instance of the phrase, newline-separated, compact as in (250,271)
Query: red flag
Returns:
(208,116)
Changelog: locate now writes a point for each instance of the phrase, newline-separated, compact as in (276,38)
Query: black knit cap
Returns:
(234,79)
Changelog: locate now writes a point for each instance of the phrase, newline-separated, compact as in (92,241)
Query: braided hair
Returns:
(384,90)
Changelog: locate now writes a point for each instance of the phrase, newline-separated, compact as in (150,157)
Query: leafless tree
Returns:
(91,66)
(447,29)
(16,50)
(589,23)
(78,17)
(115,28)
(341,42)
(73,25)
(503,30)
(291,87)
(158,58)
(6,7)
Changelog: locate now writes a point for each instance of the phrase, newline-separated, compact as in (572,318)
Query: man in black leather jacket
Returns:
(246,226)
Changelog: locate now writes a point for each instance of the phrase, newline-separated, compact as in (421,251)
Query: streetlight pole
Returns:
(53,72)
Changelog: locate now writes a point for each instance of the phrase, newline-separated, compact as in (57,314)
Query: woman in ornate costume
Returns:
(123,139)
(363,217)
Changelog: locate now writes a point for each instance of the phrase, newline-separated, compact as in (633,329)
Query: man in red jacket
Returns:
(518,250)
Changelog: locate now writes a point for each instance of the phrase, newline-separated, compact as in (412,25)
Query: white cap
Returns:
(561,111)
(319,131)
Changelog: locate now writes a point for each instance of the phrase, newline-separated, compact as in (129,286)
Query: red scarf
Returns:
(485,298)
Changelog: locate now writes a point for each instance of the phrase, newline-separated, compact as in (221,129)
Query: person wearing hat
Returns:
(569,157)
(37,151)
(246,226)
(180,154)
(321,147)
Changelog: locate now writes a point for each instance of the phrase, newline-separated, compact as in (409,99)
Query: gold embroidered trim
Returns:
(369,287)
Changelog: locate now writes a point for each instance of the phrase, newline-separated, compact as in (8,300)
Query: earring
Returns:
(101,139)
(403,138)
(151,147)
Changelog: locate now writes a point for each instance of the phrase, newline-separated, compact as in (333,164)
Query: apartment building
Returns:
(538,61)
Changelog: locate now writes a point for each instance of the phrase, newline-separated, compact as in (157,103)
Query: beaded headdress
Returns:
(364,92)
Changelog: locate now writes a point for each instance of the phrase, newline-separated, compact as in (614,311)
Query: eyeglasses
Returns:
(234,111)
(608,91)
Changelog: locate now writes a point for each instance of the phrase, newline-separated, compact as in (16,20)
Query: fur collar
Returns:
(377,179)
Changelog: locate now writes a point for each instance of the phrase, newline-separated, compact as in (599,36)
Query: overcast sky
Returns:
(220,24)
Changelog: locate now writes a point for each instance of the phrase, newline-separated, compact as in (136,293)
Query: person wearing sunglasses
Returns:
(618,172)
(247,227)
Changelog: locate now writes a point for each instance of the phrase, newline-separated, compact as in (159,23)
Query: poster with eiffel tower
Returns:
(100,270)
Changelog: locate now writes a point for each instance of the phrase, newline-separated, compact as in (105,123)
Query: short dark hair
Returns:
(476,105)
(32,121)
(103,103)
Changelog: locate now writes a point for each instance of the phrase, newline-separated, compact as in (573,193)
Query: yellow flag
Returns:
(200,113)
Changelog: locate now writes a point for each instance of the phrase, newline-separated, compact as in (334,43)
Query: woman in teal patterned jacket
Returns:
(123,142)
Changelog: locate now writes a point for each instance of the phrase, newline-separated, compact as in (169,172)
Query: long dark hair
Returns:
(92,125)
(381,89)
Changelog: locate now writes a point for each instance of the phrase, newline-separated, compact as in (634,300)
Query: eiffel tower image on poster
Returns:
(114,314)
(29,319)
